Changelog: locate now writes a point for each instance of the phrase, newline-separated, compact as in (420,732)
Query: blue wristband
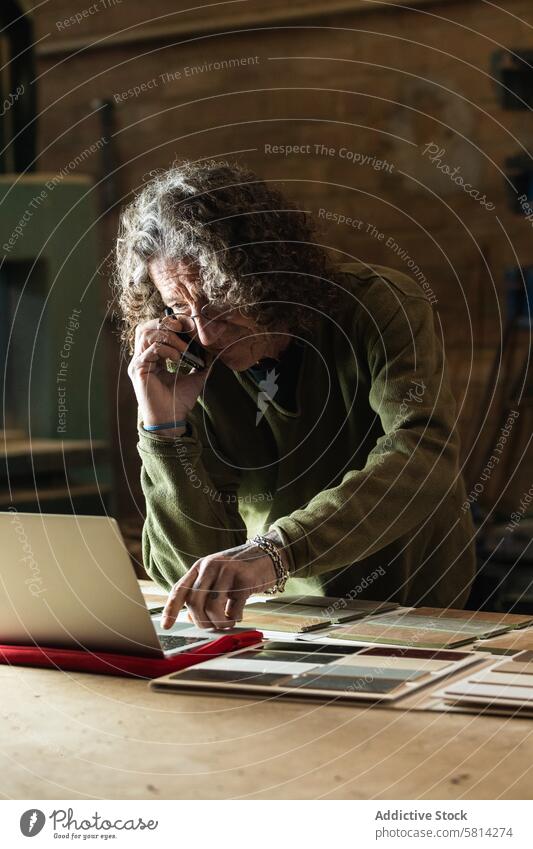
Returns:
(180,423)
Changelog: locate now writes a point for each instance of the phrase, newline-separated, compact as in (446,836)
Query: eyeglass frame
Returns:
(201,314)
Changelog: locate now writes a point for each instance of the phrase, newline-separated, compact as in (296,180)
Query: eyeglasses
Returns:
(209,313)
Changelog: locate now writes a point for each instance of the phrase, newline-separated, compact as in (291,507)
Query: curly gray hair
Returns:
(253,247)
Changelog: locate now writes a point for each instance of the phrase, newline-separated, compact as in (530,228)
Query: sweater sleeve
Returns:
(190,511)
(412,465)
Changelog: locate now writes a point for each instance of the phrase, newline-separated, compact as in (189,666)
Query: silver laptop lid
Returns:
(67,581)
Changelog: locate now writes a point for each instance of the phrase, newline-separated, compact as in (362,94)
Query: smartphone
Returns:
(194,355)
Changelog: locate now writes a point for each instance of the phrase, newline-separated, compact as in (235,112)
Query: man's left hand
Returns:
(216,587)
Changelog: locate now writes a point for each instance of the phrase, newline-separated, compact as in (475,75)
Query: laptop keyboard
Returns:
(172,641)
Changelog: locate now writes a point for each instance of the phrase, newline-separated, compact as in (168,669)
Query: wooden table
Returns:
(78,736)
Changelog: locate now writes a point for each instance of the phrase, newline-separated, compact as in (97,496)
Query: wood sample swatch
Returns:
(430,627)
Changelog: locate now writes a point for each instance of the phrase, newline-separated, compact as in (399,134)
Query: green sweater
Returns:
(361,479)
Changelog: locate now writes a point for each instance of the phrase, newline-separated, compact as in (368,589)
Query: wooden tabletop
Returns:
(79,736)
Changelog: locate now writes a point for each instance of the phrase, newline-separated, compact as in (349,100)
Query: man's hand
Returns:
(161,395)
(216,587)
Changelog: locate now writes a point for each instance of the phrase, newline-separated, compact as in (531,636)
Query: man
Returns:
(324,422)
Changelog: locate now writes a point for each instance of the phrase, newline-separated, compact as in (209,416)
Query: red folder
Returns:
(107,663)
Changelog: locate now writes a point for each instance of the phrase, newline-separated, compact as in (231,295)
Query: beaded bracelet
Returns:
(180,423)
(282,574)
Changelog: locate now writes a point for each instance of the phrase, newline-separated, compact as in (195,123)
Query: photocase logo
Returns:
(268,387)
(32,822)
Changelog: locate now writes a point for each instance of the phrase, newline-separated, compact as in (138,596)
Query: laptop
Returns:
(68,582)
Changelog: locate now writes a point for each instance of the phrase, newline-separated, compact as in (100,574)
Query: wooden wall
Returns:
(378,81)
